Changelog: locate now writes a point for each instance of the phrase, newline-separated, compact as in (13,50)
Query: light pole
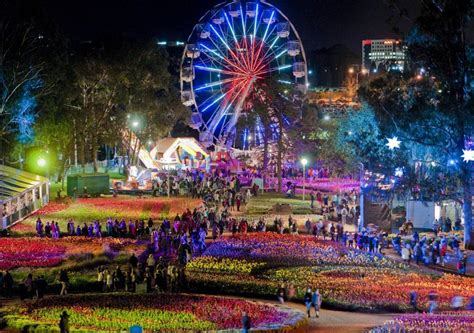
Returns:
(361,199)
(304,161)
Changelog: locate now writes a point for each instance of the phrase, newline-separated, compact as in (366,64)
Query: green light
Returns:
(41,162)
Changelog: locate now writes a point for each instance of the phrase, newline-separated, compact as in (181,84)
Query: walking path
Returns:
(332,321)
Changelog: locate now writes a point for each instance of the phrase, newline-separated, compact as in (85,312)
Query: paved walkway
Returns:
(332,321)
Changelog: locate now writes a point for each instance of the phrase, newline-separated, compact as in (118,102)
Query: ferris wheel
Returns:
(232,47)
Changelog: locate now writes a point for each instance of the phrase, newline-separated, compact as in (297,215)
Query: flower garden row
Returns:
(257,264)
(45,252)
(459,322)
(118,312)
(88,210)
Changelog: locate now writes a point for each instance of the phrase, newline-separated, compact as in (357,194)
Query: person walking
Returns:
(308,301)
(64,280)
(316,300)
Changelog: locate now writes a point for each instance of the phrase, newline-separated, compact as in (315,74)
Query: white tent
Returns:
(168,152)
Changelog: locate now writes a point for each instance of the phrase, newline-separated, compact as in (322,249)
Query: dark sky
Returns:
(321,23)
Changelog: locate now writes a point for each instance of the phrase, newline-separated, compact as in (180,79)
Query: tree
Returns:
(430,108)
(279,109)
(24,47)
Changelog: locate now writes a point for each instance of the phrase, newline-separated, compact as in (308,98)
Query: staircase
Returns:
(377,214)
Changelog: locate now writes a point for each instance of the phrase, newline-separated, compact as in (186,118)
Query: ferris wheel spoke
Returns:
(216,117)
(223,62)
(270,56)
(274,69)
(214,84)
(230,63)
(227,46)
(243,19)
(237,44)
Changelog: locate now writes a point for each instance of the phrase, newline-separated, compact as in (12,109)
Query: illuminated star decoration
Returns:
(393,143)
(468,155)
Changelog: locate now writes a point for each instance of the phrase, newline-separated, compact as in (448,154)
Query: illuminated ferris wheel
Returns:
(234,45)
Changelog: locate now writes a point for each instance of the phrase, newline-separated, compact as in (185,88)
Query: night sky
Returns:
(321,23)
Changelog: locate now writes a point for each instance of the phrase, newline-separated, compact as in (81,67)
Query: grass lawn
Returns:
(88,210)
(262,203)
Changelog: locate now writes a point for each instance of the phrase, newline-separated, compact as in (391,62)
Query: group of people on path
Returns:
(431,251)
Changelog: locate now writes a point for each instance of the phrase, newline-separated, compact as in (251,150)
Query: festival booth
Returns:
(180,153)
(21,193)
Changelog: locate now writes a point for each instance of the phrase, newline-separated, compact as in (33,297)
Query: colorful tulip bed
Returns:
(257,264)
(87,210)
(455,322)
(118,312)
(45,252)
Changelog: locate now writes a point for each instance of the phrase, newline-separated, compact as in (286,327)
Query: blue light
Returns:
(284,67)
(24,115)
(216,101)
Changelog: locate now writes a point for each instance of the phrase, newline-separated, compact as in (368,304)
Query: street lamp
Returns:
(135,123)
(304,161)
(41,162)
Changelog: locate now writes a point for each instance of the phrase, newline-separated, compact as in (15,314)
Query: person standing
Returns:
(281,294)
(246,324)
(308,297)
(413,300)
(64,322)
(311,195)
(8,284)
(316,300)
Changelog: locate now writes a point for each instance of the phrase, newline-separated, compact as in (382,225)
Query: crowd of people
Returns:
(173,242)
(431,251)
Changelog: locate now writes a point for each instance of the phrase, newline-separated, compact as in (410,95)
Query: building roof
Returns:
(167,147)
(13,182)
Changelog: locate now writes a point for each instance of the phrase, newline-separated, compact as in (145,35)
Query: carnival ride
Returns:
(234,45)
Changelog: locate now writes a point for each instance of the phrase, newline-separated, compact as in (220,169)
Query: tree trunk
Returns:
(83,156)
(265,155)
(95,149)
(467,207)
(280,152)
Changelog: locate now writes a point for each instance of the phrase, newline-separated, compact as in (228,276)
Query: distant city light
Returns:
(452,162)
(163,43)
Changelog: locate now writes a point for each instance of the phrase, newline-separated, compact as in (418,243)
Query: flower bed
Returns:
(459,322)
(293,250)
(29,252)
(118,312)
(376,288)
(258,263)
(46,252)
(225,265)
(129,208)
